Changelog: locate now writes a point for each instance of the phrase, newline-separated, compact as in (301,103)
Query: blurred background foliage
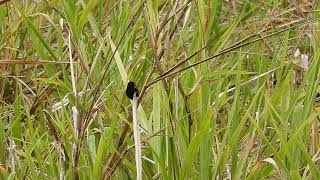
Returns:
(228,89)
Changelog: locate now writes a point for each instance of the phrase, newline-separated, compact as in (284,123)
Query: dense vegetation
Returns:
(227,89)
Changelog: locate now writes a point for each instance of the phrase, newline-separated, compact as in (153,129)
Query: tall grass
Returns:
(228,89)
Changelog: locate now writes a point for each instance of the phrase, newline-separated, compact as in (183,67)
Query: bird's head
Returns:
(130,84)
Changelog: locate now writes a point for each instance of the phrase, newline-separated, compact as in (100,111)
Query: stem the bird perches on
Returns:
(136,135)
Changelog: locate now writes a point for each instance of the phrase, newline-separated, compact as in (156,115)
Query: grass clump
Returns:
(227,89)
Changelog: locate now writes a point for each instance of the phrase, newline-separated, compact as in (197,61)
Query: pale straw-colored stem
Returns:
(136,136)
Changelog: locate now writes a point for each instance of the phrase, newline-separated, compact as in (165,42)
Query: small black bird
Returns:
(131,89)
